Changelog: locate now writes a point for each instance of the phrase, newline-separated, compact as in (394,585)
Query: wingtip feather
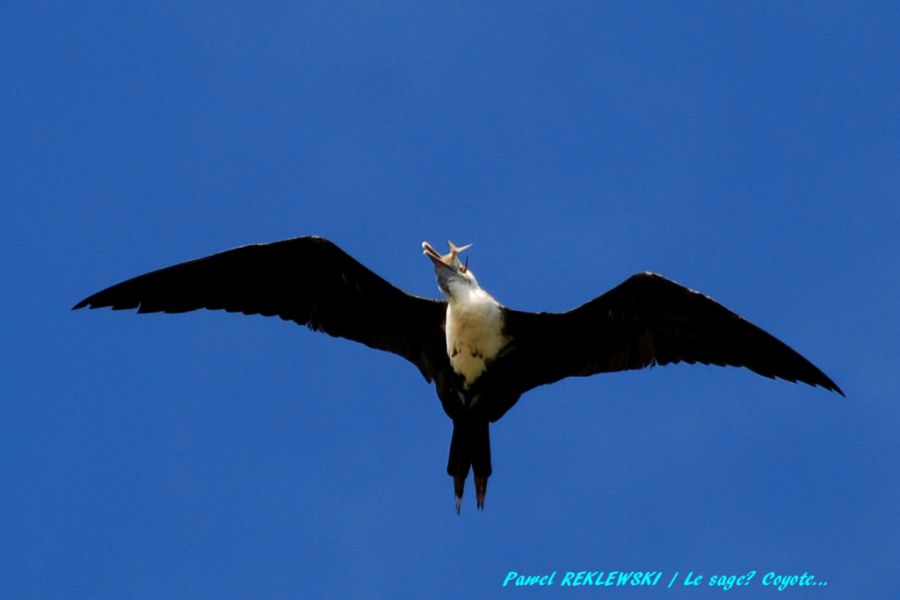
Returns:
(833,387)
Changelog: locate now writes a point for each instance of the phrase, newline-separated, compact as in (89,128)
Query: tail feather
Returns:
(470,448)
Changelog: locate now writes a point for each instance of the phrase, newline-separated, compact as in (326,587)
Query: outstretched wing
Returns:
(308,280)
(648,320)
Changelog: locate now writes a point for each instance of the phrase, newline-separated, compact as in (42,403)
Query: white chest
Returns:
(474,328)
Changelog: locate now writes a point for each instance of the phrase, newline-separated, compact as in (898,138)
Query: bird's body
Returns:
(474,328)
(480,355)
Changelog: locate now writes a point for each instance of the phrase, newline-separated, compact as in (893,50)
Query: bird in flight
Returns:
(480,355)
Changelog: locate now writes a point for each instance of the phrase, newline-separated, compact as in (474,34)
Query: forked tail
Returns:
(470,447)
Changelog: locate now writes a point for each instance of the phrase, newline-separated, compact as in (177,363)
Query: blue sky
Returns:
(749,151)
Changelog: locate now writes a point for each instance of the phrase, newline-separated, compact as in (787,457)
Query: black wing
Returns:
(308,280)
(648,320)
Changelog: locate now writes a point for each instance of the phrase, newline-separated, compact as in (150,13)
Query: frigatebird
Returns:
(480,355)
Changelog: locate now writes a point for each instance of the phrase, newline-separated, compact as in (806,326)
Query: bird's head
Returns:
(453,276)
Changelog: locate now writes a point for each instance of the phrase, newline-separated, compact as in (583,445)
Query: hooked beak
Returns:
(448,260)
(429,251)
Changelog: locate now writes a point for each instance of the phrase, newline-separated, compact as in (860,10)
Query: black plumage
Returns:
(646,320)
(308,280)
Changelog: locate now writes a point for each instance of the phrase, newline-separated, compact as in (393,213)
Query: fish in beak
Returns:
(451,259)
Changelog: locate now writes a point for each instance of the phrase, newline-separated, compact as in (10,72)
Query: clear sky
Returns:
(751,152)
